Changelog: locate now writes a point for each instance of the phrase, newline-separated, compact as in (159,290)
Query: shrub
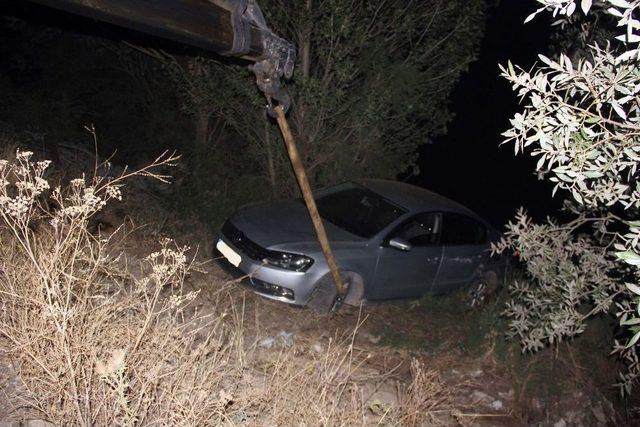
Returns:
(580,120)
(97,337)
(92,342)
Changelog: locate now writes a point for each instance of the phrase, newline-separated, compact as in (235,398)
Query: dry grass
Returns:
(427,401)
(97,338)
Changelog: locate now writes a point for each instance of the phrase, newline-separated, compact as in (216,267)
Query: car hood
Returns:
(285,224)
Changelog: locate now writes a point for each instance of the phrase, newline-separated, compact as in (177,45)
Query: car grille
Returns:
(243,243)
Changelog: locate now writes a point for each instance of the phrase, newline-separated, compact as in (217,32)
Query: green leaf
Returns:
(545,59)
(593,174)
(530,17)
(630,322)
(576,195)
(621,3)
(633,340)
(630,257)
(633,288)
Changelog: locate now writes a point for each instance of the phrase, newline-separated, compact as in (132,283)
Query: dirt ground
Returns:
(495,385)
(491,383)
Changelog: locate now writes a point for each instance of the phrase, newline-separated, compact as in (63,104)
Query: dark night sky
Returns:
(467,164)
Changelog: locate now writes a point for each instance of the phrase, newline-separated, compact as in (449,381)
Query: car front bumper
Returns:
(265,280)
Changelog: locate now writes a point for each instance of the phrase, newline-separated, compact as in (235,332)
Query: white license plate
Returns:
(232,256)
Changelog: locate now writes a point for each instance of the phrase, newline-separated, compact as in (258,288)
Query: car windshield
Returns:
(358,210)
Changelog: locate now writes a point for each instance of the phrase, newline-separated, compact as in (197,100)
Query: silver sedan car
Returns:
(391,240)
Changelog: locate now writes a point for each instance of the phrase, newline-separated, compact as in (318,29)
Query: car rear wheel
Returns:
(481,289)
(476,294)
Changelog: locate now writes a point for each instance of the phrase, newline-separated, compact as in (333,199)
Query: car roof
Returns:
(412,197)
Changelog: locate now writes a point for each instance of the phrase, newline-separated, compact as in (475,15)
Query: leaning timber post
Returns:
(305,188)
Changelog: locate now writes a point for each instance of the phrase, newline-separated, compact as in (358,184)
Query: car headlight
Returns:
(288,261)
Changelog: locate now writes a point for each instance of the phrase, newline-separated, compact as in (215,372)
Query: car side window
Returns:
(459,229)
(421,230)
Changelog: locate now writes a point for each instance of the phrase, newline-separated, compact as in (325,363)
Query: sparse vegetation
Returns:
(99,337)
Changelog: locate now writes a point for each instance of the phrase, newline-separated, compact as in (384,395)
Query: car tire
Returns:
(324,297)
(355,293)
(481,289)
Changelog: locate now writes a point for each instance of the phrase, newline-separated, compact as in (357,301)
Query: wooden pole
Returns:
(305,188)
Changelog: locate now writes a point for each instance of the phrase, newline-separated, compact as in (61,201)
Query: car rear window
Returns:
(462,230)
(358,211)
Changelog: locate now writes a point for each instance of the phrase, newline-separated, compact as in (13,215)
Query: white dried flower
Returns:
(23,155)
(17,207)
(41,166)
(41,185)
(77,182)
(113,191)
(21,171)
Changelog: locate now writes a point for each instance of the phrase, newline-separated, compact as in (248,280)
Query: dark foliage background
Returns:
(372,85)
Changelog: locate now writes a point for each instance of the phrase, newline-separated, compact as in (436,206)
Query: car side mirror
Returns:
(400,243)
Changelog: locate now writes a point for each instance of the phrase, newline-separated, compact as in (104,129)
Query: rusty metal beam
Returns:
(198,23)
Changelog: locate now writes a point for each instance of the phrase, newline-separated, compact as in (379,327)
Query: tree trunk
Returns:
(305,53)
(202,132)
(271,167)
(305,66)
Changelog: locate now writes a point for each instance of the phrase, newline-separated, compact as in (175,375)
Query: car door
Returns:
(409,273)
(464,242)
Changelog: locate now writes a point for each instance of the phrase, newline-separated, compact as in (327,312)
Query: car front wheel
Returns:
(324,298)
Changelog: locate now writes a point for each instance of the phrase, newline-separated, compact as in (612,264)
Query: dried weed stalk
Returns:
(92,343)
(96,340)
